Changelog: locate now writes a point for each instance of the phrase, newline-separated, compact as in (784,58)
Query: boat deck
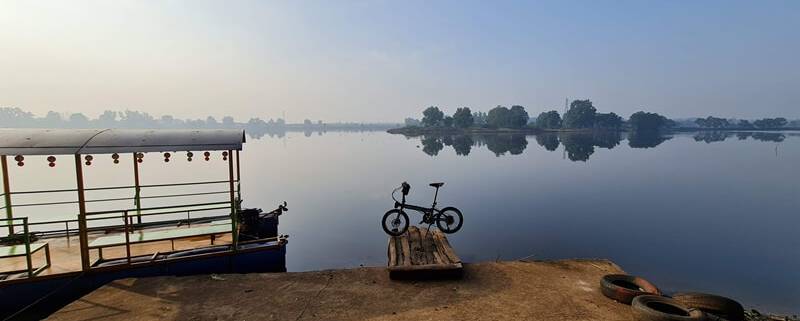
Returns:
(65,252)
(422,252)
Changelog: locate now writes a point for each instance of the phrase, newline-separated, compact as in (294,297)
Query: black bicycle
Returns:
(395,221)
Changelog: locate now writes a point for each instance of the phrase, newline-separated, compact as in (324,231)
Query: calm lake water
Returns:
(716,212)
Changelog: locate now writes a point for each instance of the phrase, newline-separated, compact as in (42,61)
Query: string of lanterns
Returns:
(139,157)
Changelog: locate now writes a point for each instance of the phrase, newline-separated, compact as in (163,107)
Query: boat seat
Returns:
(437,185)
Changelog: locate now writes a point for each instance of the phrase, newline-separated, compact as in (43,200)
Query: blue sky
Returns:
(385,60)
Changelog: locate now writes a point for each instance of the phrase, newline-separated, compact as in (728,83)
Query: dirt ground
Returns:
(552,290)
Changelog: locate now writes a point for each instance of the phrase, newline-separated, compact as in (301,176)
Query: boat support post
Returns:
(137,200)
(7,194)
(82,228)
(234,214)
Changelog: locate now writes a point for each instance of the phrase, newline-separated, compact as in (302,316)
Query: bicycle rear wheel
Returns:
(395,222)
(449,220)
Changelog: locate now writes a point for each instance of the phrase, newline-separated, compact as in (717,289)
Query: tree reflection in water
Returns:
(578,146)
(646,139)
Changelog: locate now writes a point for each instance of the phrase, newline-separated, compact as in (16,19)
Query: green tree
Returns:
(228,122)
(447,121)
(78,120)
(518,117)
(607,121)
(462,118)
(745,124)
(549,120)
(581,114)
(649,122)
(432,116)
(498,117)
(502,117)
(712,122)
(768,123)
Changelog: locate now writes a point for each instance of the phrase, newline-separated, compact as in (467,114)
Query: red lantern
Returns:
(139,157)
(207,155)
(115,157)
(89,159)
(224,155)
(20,159)
(189,156)
(166,157)
(52,161)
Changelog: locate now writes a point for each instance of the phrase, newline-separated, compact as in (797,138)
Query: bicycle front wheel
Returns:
(395,222)
(449,220)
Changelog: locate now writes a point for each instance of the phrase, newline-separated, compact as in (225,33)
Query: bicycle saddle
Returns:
(437,185)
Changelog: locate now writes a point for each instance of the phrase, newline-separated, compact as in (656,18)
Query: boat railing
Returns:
(13,250)
(70,226)
(69,230)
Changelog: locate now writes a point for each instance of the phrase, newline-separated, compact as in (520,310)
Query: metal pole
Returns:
(238,183)
(127,239)
(7,194)
(82,228)
(234,219)
(137,197)
(27,246)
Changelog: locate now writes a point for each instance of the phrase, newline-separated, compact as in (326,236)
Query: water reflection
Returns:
(719,136)
(577,146)
(646,139)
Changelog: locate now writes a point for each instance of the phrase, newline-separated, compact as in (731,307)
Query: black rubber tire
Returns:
(659,308)
(623,288)
(447,229)
(399,231)
(712,304)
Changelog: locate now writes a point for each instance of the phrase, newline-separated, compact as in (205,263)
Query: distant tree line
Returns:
(498,117)
(257,127)
(581,114)
(722,123)
(18,118)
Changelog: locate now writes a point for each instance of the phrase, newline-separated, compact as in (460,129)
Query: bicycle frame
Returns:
(425,210)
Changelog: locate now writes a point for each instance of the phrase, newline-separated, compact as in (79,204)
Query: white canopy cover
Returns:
(107,141)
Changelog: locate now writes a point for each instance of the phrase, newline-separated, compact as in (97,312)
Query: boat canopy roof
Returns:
(107,141)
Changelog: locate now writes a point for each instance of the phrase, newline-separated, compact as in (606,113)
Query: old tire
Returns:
(712,304)
(659,308)
(623,288)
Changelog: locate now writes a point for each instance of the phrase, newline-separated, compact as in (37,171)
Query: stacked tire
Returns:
(648,304)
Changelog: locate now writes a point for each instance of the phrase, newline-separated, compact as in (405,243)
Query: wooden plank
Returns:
(392,251)
(405,249)
(445,245)
(440,251)
(426,240)
(416,256)
(437,256)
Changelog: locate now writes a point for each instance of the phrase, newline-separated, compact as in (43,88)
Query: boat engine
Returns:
(254,224)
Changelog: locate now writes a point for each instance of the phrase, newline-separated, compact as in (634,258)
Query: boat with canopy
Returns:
(46,262)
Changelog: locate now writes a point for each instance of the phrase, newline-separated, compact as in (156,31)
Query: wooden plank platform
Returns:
(421,250)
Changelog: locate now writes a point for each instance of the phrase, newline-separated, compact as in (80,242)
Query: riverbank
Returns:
(558,290)
(519,290)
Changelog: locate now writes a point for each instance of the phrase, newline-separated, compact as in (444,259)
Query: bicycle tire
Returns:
(395,231)
(447,229)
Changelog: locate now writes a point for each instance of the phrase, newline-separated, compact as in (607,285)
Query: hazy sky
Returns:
(385,60)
